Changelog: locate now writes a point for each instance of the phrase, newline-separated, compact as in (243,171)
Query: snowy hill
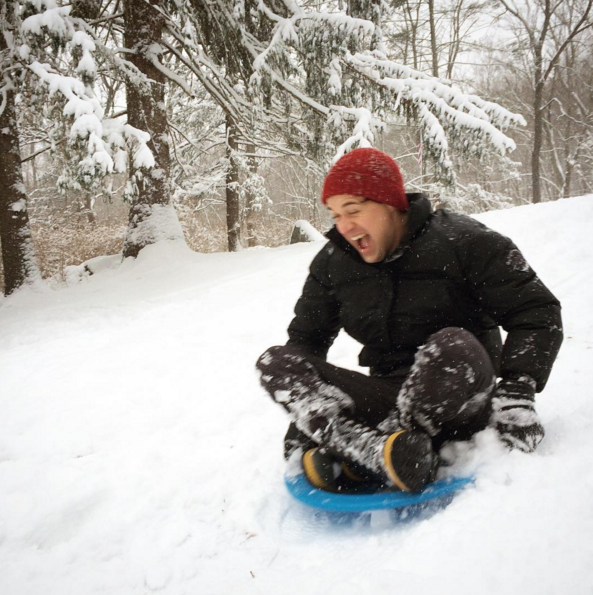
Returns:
(138,453)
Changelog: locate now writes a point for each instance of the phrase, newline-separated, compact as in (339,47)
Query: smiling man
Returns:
(425,294)
(373,228)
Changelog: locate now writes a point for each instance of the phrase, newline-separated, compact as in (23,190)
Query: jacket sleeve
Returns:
(508,289)
(317,321)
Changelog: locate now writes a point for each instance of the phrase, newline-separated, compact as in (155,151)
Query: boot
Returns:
(409,460)
(324,472)
(403,460)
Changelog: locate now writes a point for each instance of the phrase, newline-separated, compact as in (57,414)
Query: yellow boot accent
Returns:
(311,472)
(389,465)
(349,473)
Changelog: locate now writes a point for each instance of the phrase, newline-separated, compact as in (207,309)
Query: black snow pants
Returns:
(447,394)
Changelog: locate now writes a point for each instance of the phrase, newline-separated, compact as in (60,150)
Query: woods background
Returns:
(125,122)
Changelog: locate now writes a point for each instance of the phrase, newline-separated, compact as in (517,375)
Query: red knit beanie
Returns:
(369,173)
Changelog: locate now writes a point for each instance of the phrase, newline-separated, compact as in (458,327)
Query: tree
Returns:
(568,121)
(233,216)
(433,39)
(151,214)
(302,79)
(545,29)
(48,59)
(18,255)
(316,75)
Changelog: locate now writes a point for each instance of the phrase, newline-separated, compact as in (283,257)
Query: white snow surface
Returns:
(138,453)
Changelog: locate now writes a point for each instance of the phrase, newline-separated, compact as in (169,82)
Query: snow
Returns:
(363,134)
(85,126)
(159,223)
(143,157)
(84,40)
(120,160)
(87,65)
(81,103)
(19,205)
(308,231)
(138,453)
(433,97)
(334,82)
(53,18)
(24,51)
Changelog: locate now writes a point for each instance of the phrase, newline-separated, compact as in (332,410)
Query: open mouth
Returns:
(361,242)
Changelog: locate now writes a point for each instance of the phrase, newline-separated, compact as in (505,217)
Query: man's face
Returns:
(373,228)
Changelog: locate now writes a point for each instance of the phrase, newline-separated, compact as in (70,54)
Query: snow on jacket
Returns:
(450,271)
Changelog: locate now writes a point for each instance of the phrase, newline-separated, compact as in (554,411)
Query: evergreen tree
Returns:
(18,255)
(152,217)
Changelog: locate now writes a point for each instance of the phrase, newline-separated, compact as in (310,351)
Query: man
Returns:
(425,293)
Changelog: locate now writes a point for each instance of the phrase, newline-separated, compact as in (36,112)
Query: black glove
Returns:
(513,413)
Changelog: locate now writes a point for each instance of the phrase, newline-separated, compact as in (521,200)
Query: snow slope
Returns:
(138,453)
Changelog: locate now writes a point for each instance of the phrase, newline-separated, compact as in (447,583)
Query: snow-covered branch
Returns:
(67,74)
(440,105)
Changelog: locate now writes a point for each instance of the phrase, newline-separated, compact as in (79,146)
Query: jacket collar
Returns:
(419,213)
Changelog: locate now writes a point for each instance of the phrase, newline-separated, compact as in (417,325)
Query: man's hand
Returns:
(514,415)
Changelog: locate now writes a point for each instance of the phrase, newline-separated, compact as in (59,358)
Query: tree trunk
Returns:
(413,28)
(455,43)
(33,168)
(250,198)
(87,208)
(433,39)
(538,125)
(18,255)
(571,160)
(151,216)
(233,206)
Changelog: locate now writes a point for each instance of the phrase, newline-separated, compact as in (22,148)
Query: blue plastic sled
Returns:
(304,492)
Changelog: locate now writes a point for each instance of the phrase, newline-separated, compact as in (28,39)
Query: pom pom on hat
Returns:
(369,173)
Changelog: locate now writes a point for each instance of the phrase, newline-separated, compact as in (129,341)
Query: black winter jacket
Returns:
(451,271)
